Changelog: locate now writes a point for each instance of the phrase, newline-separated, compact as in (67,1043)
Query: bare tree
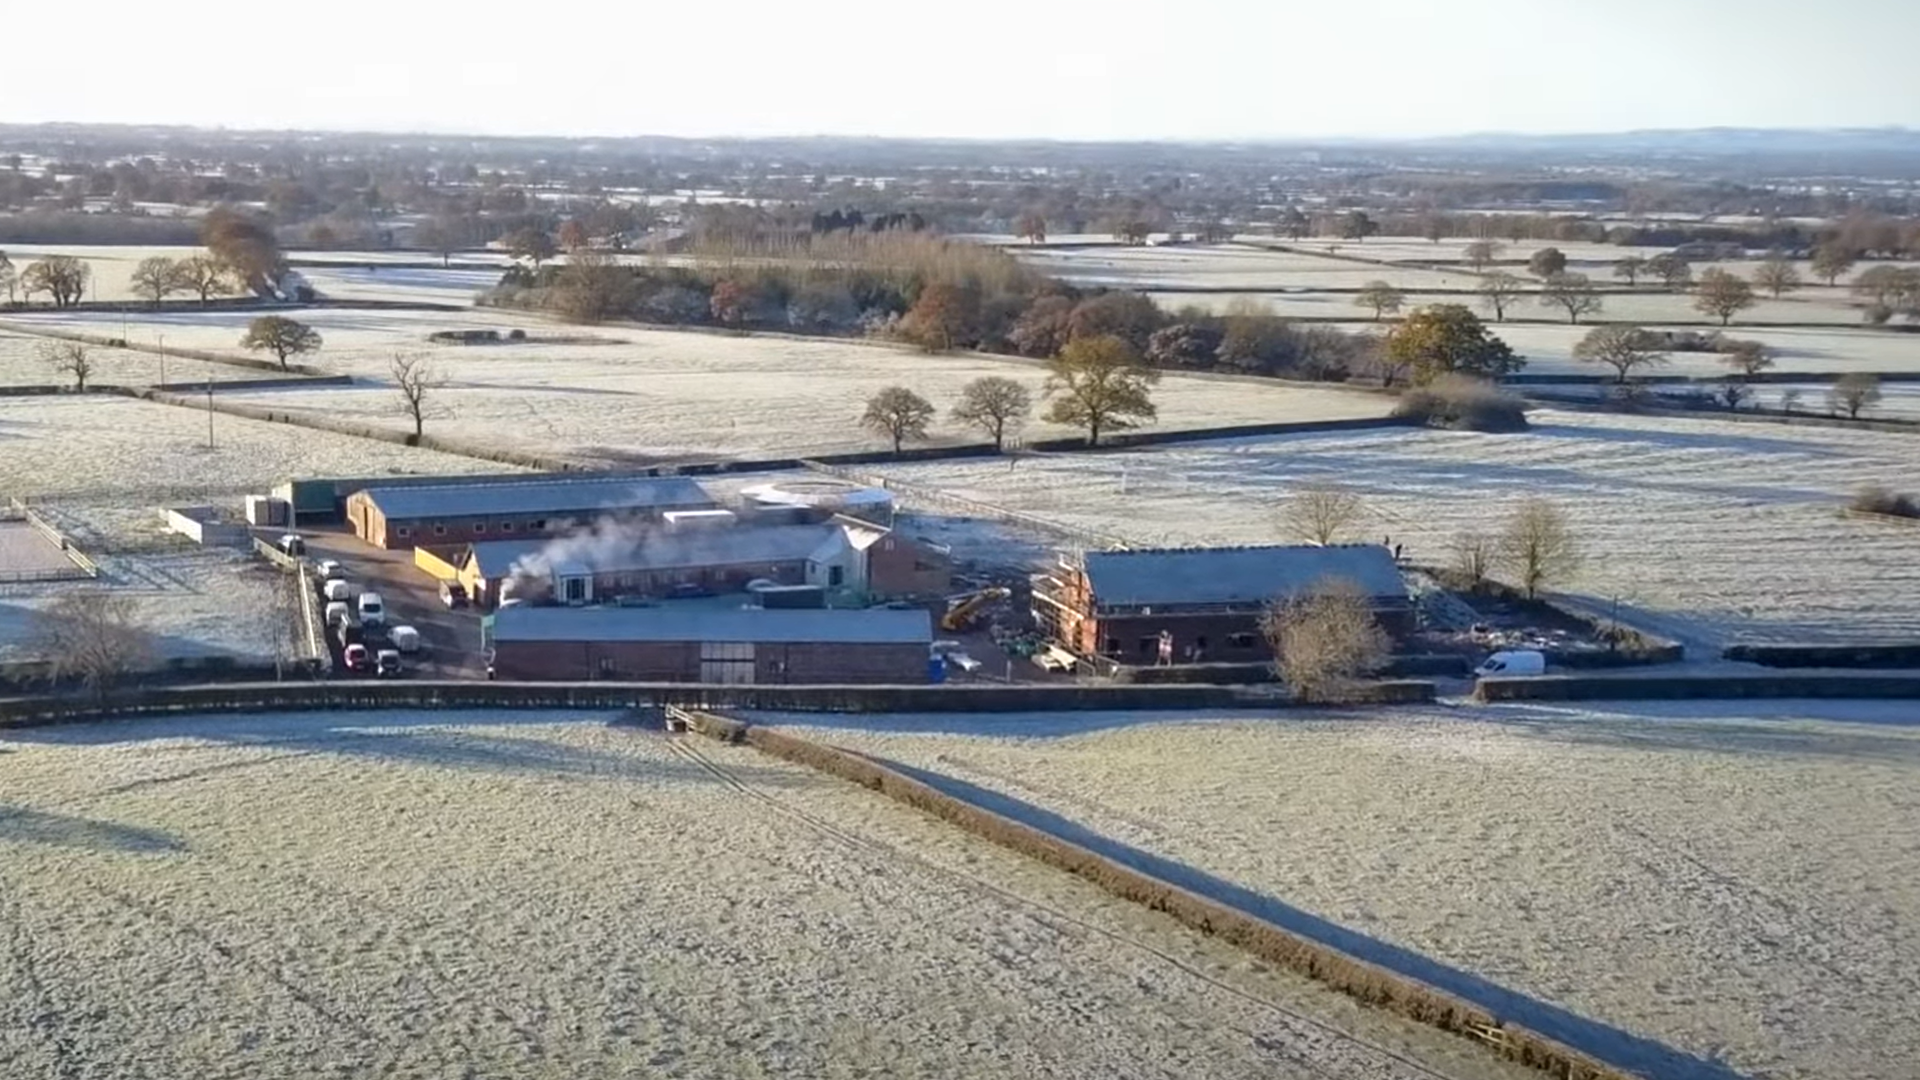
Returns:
(1629,269)
(1381,296)
(1326,638)
(1853,393)
(1790,399)
(1722,294)
(1538,546)
(92,636)
(204,276)
(1481,253)
(1573,293)
(1547,263)
(996,405)
(442,234)
(281,336)
(9,277)
(1030,227)
(1498,291)
(1622,348)
(62,277)
(1474,555)
(899,414)
(69,358)
(1777,275)
(417,381)
(156,278)
(1832,260)
(1673,271)
(1322,513)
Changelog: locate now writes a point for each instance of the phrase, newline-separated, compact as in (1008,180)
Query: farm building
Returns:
(449,514)
(691,643)
(1195,605)
(851,560)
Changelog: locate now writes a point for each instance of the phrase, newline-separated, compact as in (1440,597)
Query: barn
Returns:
(1197,605)
(450,514)
(694,643)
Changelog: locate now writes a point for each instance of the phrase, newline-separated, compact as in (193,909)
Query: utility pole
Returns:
(209,406)
(163,359)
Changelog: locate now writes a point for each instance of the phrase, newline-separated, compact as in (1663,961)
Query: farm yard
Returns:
(548,894)
(1703,530)
(1709,890)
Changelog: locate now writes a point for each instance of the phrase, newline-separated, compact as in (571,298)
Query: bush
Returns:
(1463,404)
(1874,499)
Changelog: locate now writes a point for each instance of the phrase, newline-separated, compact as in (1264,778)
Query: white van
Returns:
(1513,662)
(372,609)
(337,590)
(337,613)
(405,638)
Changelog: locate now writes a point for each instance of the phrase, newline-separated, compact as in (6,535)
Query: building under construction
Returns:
(1199,605)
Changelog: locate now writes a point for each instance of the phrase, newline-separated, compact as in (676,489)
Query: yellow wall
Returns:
(434,564)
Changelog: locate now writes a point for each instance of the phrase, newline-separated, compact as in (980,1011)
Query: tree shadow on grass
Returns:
(1621,1048)
(19,824)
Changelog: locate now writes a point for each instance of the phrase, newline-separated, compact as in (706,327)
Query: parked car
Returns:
(337,590)
(338,614)
(328,569)
(405,638)
(386,663)
(372,608)
(292,544)
(1514,662)
(453,594)
(355,657)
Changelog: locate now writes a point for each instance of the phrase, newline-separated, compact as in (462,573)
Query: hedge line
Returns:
(1895,654)
(1683,687)
(1366,982)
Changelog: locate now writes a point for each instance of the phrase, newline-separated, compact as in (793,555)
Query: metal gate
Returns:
(726,662)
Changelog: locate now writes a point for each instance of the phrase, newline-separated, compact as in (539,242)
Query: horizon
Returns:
(1227,71)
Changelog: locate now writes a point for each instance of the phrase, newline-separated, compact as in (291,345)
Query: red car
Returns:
(356,658)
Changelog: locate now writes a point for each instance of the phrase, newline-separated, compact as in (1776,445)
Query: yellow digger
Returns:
(963,609)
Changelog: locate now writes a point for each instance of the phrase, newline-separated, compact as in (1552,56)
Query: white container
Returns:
(265,510)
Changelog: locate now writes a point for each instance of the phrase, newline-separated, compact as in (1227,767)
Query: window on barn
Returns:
(1200,642)
(836,575)
(538,526)
(403,532)
(439,530)
(479,527)
(606,665)
(506,526)
(1242,641)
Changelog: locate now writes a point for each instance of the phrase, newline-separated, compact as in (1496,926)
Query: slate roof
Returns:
(872,626)
(1176,577)
(411,503)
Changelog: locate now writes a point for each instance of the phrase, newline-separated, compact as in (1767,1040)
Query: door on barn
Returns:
(726,662)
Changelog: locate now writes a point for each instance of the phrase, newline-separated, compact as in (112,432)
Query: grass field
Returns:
(1710,890)
(1708,530)
(421,896)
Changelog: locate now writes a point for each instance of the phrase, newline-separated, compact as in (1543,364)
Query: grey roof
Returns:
(693,623)
(662,548)
(1241,575)
(540,497)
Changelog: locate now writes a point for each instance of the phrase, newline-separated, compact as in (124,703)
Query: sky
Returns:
(1056,69)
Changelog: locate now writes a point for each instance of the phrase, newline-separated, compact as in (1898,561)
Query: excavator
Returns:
(962,609)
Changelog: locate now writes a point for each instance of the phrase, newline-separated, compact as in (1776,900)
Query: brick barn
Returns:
(1118,604)
(681,643)
(453,514)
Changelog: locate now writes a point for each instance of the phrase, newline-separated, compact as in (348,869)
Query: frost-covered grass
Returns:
(115,451)
(1737,883)
(547,895)
(1709,530)
(627,394)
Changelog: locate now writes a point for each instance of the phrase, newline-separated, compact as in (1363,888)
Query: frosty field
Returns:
(1707,530)
(1714,890)
(546,895)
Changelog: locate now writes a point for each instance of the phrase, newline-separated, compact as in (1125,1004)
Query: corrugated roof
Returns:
(693,623)
(1244,575)
(540,497)
(659,549)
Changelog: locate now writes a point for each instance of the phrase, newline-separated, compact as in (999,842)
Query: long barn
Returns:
(452,514)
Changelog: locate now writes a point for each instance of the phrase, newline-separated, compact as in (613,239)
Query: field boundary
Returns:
(1366,982)
(1691,687)
(425,694)
(86,566)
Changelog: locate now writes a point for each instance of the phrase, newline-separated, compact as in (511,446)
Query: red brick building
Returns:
(1204,604)
(686,643)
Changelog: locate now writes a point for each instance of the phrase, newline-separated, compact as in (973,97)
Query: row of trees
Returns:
(1096,384)
(62,278)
